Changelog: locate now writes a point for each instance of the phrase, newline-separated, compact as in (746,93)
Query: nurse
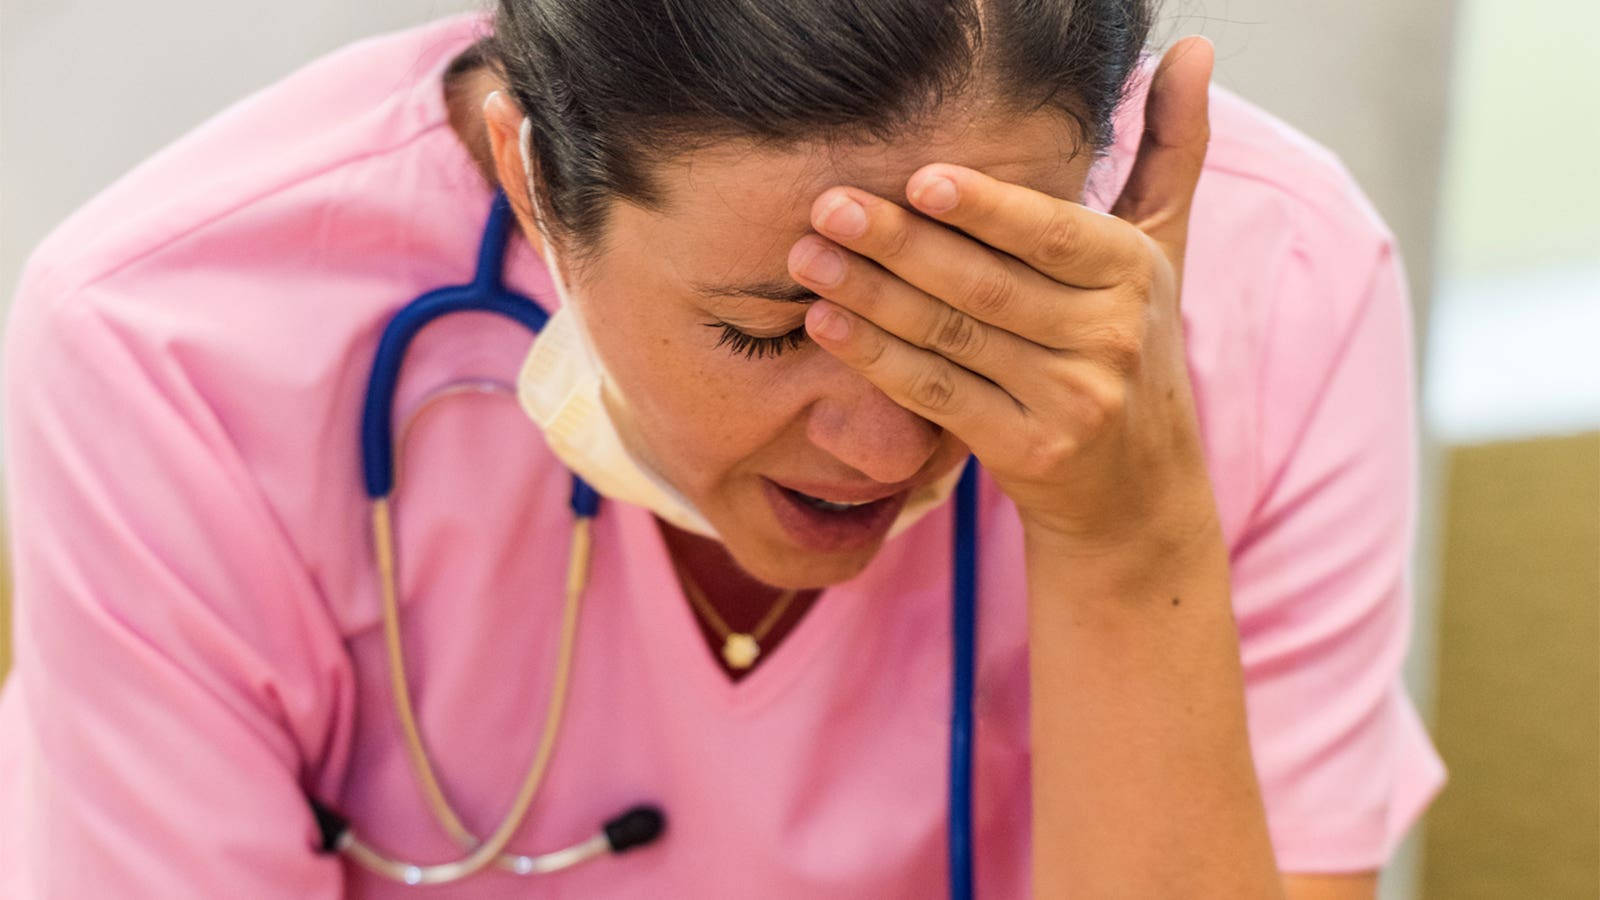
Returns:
(814,254)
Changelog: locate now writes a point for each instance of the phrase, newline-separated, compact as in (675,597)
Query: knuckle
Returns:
(1124,354)
(1059,332)
(1045,454)
(956,334)
(895,240)
(933,388)
(1111,404)
(1139,280)
(1138,270)
(1120,346)
(1058,241)
(991,294)
(1101,405)
(870,351)
(865,293)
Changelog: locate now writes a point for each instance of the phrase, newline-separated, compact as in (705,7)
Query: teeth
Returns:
(827,505)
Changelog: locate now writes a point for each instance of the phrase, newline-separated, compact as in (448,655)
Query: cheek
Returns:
(698,410)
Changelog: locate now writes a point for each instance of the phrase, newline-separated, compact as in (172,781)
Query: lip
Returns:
(845,493)
(834,532)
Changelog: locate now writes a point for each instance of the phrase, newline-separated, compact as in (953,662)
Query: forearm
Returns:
(1143,784)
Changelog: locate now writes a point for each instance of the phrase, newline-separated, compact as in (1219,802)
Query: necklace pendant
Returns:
(739,651)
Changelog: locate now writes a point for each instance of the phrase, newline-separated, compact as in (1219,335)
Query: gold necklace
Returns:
(739,648)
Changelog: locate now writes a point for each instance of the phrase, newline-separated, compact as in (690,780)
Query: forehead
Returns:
(736,207)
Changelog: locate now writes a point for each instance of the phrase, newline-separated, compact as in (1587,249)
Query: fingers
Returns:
(901,309)
(1066,241)
(970,407)
(1172,150)
(992,287)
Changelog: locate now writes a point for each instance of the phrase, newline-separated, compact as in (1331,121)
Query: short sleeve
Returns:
(1322,586)
(174,681)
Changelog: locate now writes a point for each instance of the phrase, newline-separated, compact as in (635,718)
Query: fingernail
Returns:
(936,195)
(845,218)
(823,321)
(824,266)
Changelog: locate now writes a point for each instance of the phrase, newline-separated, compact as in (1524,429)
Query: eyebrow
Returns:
(785,291)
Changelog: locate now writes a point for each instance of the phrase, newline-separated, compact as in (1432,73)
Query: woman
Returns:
(820,252)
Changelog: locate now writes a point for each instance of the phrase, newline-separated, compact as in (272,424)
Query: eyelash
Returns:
(754,347)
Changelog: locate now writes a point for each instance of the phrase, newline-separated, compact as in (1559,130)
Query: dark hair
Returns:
(615,86)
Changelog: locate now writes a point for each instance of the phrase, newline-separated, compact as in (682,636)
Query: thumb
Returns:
(1173,148)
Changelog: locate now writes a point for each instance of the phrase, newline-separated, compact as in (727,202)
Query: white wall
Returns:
(87,89)
(1517,307)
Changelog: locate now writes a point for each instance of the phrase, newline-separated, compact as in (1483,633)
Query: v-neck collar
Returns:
(658,600)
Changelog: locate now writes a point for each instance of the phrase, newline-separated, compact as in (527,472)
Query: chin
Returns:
(784,565)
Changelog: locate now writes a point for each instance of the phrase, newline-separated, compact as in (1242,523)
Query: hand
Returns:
(1043,334)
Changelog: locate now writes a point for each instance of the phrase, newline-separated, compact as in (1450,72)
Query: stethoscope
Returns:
(640,825)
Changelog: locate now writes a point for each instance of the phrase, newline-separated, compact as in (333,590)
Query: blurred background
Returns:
(1472,125)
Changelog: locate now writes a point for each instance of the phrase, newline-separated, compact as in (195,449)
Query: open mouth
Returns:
(821,524)
(828,505)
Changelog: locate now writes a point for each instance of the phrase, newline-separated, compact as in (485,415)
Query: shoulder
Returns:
(279,229)
(1267,193)
(237,281)
(1251,146)
(347,111)
(1284,247)
(1280,215)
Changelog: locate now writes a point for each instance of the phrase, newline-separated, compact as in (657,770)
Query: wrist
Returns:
(1156,555)
(1178,518)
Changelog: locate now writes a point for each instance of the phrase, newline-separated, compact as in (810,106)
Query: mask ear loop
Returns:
(525,144)
(548,244)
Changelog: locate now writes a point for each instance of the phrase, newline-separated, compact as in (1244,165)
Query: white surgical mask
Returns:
(563,387)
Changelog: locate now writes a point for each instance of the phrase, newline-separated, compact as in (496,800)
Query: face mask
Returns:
(564,388)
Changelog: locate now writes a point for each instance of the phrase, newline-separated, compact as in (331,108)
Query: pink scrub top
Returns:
(198,640)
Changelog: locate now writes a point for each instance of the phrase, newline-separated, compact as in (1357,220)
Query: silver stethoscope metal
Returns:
(640,825)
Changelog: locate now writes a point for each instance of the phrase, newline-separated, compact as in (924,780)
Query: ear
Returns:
(502,119)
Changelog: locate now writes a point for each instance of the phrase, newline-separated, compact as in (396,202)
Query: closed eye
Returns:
(754,347)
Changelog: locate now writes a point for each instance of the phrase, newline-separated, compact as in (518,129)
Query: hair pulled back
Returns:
(616,86)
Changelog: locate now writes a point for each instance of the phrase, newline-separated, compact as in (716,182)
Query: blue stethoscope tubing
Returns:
(964,629)
(487,292)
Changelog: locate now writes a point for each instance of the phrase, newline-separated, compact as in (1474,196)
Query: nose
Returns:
(864,429)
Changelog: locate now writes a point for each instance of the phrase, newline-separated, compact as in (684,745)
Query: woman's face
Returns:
(694,313)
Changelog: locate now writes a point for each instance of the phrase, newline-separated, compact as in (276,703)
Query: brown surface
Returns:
(1518,713)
